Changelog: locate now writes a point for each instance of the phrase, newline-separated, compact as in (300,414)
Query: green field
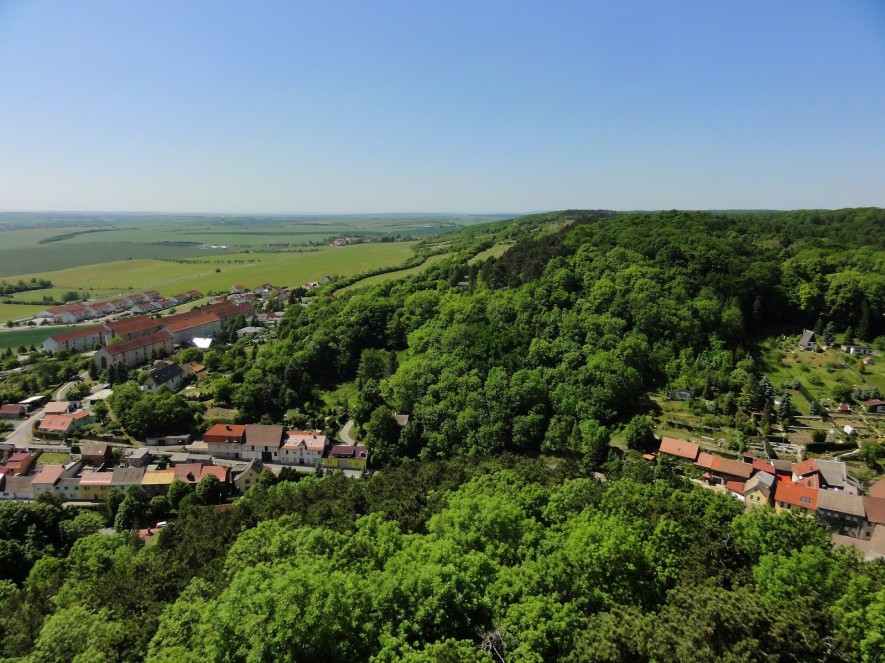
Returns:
(28,336)
(399,274)
(494,252)
(283,268)
(18,311)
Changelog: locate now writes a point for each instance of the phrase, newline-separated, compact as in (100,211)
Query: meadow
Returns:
(27,336)
(399,274)
(18,311)
(219,273)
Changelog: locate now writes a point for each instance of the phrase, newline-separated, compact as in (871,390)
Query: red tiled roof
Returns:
(140,342)
(82,332)
(312,441)
(873,403)
(796,495)
(877,489)
(875,509)
(11,408)
(192,321)
(217,470)
(56,423)
(735,486)
(804,468)
(132,325)
(681,448)
(721,465)
(188,472)
(49,474)
(761,466)
(224,431)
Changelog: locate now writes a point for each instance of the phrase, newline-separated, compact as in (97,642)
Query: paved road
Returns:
(344,433)
(21,436)
(65,388)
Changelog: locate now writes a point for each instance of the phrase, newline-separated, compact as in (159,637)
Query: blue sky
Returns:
(339,107)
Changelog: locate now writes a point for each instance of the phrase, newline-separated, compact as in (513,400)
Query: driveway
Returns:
(344,433)
(21,436)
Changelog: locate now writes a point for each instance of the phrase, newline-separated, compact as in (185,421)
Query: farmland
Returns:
(27,336)
(399,274)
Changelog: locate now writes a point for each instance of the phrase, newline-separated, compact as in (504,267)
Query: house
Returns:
(193,367)
(303,448)
(95,455)
(857,350)
(221,472)
(263,442)
(793,496)
(95,485)
(79,340)
(169,375)
(68,488)
(724,469)
(17,488)
(13,411)
(225,440)
(140,457)
(679,448)
(679,394)
(188,472)
(44,481)
(123,477)
(61,407)
(135,351)
(203,325)
(20,463)
(807,341)
(874,510)
(842,511)
(759,489)
(67,313)
(246,475)
(760,465)
(877,489)
(62,425)
(804,469)
(874,406)
(248,331)
(238,290)
(157,482)
(131,328)
(834,476)
(347,457)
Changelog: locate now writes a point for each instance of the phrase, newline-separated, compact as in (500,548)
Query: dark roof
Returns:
(348,451)
(807,337)
(94,449)
(127,476)
(840,502)
(164,374)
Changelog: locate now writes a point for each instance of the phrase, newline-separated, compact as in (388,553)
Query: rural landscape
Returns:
(500,439)
(442,332)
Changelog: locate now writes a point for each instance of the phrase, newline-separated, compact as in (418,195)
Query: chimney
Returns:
(227,427)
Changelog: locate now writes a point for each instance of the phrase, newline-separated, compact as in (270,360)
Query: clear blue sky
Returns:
(485,106)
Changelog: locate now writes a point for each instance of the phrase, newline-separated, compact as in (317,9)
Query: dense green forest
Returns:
(465,560)
(489,533)
(558,340)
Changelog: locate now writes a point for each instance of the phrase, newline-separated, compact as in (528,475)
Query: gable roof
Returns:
(761,466)
(874,507)
(12,408)
(48,475)
(873,402)
(833,472)
(218,470)
(132,325)
(804,468)
(877,489)
(192,321)
(163,374)
(840,502)
(94,449)
(312,440)
(225,430)
(82,332)
(56,423)
(188,472)
(96,478)
(262,435)
(141,342)
(722,465)
(807,337)
(127,476)
(796,495)
(761,481)
(681,448)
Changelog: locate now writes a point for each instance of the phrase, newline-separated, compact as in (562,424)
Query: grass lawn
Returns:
(47,458)
(346,391)
(27,336)
(18,311)
(494,252)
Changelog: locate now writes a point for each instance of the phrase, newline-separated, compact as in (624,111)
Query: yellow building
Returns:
(95,486)
(343,457)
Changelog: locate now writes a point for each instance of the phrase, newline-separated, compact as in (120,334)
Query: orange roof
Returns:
(132,325)
(874,508)
(681,448)
(796,495)
(722,465)
(188,472)
(96,478)
(735,486)
(82,332)
(56,422)
(762,466)
(191,322)
(877,489)
(225,430)
(49,474)
(804,468)
(217,470)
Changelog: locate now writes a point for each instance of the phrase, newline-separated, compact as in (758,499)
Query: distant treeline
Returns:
(7,288)
(64,236)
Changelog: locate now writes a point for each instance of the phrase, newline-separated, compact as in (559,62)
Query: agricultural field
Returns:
(496,251)
(18,311)
(27,336)
(399,274)
(219,274)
